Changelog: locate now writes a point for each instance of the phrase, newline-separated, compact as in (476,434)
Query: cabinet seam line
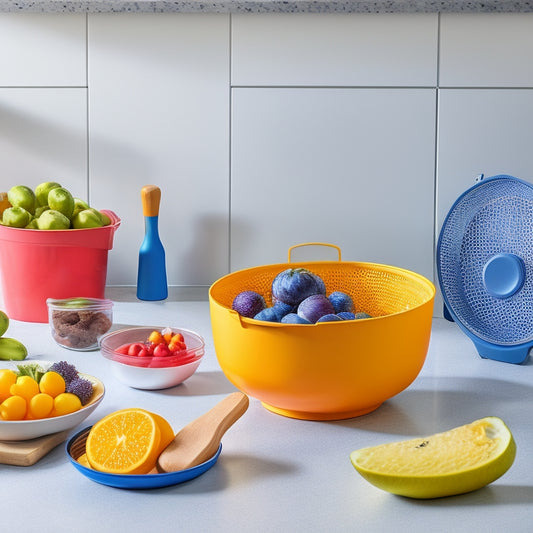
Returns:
(87,139)
(230,138)
(436,151)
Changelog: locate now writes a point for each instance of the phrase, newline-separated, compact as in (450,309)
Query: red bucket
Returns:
(40,264)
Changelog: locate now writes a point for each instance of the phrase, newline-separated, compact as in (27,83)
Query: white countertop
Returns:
(277,474)
(266,6)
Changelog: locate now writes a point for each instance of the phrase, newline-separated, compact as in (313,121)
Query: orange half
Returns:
(124,442)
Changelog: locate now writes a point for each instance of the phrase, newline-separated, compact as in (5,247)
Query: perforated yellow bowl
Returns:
(328,370)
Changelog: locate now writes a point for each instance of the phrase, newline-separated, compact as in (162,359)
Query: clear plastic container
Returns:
(79,323)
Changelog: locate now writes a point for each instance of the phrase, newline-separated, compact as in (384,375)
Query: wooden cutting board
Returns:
(28,452)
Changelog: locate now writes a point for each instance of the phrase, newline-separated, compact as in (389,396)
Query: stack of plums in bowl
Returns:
(302,355)
(152,357)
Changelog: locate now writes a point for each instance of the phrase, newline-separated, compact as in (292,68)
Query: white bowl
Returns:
(151,373)
(139,377)
(15,430)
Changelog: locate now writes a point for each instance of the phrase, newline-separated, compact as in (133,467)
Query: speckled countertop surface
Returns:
(266,6)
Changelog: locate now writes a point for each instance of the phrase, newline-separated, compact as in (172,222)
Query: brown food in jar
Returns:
(79,329)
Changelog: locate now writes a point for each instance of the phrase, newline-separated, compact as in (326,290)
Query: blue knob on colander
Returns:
(503,275)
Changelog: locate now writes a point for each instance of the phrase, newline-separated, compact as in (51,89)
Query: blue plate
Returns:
(132,481)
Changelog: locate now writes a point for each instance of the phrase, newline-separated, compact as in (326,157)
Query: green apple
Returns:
(40,210)
(22,196)
(4,323)
(105,219)
(60,199)
(42,190)
(33,224)
(79,205)
(87,218)
(52,219)
(16,217)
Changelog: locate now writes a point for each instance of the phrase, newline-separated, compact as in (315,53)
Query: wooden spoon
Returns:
(199,440)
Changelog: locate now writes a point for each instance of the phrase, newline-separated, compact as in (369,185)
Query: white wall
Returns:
(264,131)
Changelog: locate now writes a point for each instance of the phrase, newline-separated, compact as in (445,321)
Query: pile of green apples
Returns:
(49,207)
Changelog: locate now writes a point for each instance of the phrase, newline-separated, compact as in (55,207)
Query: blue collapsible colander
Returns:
(484,266)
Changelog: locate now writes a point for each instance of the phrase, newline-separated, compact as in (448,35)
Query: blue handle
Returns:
(152,276)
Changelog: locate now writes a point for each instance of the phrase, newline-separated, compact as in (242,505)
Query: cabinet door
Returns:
(43,50)
(43,137)
(481,132)
(486,132)
(334,49)
(352,167)
(486,50)
(159,114)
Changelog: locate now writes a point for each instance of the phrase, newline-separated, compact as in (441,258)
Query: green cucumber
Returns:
(4,323)
(12,350)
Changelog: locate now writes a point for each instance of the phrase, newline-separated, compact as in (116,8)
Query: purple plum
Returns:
(341,302)
(294,318)
(248,303)
(294,285)
(282,309)
(329,318)
(346,315)
(315,306)
(268,314)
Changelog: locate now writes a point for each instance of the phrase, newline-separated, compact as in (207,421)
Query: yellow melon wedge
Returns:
(460,460)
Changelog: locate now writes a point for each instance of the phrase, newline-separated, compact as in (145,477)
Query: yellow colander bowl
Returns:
(329,370)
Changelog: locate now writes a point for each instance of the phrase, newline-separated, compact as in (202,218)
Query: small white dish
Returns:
(150,372)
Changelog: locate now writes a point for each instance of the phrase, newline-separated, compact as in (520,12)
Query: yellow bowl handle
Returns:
(315,244)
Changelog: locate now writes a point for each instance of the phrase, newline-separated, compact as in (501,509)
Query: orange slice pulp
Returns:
(127,441)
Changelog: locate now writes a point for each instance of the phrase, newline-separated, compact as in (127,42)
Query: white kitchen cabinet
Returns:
(40,49)
(486,50)
(159,114)
(334,49)
(481,132)
(267,130)
(351,167)
(43,137)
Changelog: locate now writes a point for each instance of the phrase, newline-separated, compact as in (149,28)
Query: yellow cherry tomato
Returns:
(167,334)
(41,406)
(7,378)
(52,383)
(156,337)
(66,403)
(26,387)
(13,408)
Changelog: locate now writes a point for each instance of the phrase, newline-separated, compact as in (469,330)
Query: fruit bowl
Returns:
(329,370)
(18,430)
(151,372)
